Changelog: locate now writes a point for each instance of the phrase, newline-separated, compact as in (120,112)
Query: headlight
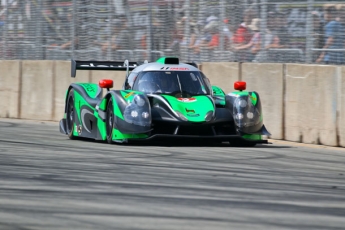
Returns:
(250,115)
(138,112)
(139,100)
(181,116)
(209,116)
(242,103)
(239,116)
(134,113)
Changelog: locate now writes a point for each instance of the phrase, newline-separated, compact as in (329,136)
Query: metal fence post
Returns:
(6,32)
(73,28)
(309,33)
(186,35)
(222,25)
(150,32)
(263,29)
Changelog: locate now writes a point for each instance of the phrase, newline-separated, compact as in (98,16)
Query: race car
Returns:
(165,100)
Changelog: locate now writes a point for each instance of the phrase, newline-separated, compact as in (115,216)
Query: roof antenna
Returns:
(126,63)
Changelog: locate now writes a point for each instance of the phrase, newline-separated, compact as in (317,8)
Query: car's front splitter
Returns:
(169,137)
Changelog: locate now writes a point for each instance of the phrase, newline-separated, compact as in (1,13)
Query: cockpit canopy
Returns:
(175,83)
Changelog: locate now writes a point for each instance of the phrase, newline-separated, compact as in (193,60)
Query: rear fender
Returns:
(86,97)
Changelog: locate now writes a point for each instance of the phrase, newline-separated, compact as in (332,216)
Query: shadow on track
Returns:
(185,144)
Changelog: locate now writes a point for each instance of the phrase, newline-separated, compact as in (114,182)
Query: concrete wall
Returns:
(267,80)
(311,104)
(222,74)
(62,80)
(37,90)
(341,106)
(10,72)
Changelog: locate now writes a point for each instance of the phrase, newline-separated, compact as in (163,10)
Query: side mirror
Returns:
(106,84)
(240,85)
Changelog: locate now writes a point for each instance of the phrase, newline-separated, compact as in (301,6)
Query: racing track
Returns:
(50,182)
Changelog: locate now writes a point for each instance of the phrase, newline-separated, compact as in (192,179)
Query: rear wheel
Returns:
(110,120)
(70,114)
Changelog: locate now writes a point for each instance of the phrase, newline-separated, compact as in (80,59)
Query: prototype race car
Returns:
(162,100)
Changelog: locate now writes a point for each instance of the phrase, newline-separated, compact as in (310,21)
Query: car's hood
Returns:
(195,109)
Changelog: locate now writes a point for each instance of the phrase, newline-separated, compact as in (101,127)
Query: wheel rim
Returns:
(70,115)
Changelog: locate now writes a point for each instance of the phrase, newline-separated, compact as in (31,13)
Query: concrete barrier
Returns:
(9,88)
(341,106)
(327,105)
(310,109)
(62,79)
(267,80)
(222,74)
(37,90)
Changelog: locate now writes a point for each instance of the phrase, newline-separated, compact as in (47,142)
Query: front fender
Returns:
(246,110)
(132,111)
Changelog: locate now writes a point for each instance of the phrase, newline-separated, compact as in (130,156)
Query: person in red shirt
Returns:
(243,34)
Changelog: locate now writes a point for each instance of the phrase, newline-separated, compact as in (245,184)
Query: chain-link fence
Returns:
(303,31)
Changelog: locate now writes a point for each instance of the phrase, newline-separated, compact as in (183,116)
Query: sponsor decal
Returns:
(192,99)
(83,112)
(190,110)
(89,88)
(79,129)
(178,68)
(128,95)
(193,114)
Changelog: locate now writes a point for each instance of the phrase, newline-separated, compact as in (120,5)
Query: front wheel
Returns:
(70,110)
(110,120)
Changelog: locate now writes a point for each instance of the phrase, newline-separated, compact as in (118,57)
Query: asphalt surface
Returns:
(50,182)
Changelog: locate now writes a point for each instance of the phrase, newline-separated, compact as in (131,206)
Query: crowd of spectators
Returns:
(246,41)
(249,42)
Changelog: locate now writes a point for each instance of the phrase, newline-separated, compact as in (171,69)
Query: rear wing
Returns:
(102,65)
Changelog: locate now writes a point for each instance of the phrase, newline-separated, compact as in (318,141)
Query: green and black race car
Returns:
(163,101)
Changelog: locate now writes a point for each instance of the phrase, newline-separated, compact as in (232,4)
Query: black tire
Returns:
(70,114)
(241,143)
(110,120)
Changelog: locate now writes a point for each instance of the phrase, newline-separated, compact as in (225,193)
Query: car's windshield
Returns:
(176,83)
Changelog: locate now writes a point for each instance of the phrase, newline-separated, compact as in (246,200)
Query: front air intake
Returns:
(169,60)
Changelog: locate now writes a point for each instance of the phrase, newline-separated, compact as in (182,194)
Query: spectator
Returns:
(243,34)
(122,40)
(278,34)
(248,51)
(340,8)
(334,38)
(227,34)
(213,30)
(271,38)
(201,37)
(318,33)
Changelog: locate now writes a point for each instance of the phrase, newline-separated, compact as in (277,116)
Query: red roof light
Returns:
(240,85)
(106,83)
